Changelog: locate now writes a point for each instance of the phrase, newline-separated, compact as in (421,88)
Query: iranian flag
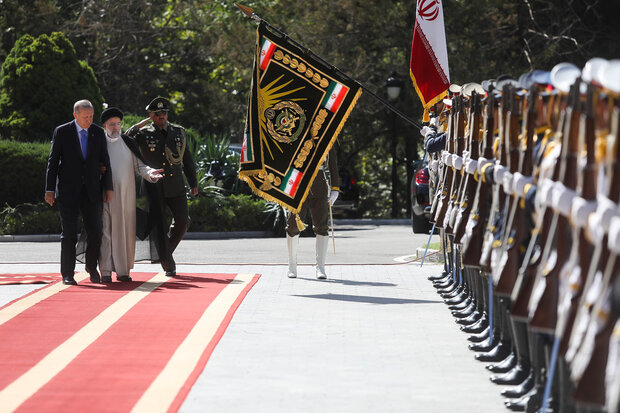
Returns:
(266,51)
(334,96)
(290,183)
(246,150)
(429,55)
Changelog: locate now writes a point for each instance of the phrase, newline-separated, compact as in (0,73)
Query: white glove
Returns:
(434,121)
(425,131)
(154,175)
(333,195)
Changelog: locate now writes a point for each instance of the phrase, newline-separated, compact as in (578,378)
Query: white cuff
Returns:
(449,159)
(562,198)
(542,193)
(605,211)
(457,162)
(466,156)
(498,173)
(507,183)
(581,210)
(613,239)
(518,183)
(444,157)
(471,166)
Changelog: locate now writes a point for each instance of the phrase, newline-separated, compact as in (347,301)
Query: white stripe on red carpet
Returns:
(114,347)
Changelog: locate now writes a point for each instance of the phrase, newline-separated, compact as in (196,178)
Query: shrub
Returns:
(40,80)
(22,172)
(30,219)
(232,213)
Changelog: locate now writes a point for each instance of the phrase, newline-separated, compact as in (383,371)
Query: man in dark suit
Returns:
(74,179)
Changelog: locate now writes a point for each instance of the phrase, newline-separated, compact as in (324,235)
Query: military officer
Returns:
(163,145)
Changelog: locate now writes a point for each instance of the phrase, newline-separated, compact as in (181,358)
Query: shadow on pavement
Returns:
(366,299)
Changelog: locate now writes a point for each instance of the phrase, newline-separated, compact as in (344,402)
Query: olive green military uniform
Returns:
(167,149)
(317,199)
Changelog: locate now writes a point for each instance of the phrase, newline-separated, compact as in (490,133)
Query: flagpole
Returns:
(250,13)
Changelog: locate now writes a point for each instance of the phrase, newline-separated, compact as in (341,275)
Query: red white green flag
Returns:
(334,96)
(266,51)
(290,183)
(428,66)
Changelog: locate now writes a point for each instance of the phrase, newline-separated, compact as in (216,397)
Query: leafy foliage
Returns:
(38,218)
(199,54)
(41,79)
(22,171)
(231,213)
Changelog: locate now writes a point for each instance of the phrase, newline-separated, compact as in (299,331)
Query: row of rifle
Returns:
(527,196)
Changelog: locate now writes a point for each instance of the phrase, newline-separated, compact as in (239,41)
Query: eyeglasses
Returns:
(161,113)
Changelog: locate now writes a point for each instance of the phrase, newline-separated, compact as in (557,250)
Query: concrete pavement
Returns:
(374,337)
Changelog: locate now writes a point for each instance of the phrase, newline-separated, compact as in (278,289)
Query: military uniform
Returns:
(166,148)
(318,202)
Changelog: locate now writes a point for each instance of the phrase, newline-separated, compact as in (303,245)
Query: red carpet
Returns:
(114,348)
(29,278)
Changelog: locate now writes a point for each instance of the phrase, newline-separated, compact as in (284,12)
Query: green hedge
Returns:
(22,172)
(30,219)
(208,213)
(230,213)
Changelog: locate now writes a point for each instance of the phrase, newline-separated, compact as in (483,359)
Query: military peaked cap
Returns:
(159,103)
(111,113)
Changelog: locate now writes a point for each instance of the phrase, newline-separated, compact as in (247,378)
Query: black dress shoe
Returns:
(470,320)
(69,281)
(498,353)
(124,278)
(439,276)
(465,312)
(503,366)
(94,275)
(519,405)
(477,328)
(105,279)
(521,389)
(459,304)
(515,376)
(171,273)
(479,338)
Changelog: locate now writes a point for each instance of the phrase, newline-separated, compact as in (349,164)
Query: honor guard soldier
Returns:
(163,145)
(322,195)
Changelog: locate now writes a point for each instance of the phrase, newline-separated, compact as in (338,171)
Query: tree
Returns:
(41,79)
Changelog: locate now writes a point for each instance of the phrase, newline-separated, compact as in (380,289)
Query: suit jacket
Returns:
(67,171)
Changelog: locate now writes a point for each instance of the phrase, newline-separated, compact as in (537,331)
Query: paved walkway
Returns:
(372,338)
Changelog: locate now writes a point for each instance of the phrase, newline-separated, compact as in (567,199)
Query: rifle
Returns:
(516,233)
(440,201)
(458,146)
(589,365)
(574,273)
(524,285)
(470,167)
(543,309)
(498,197)
(474,232)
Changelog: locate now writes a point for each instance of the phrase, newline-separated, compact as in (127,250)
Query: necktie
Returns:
(84,141)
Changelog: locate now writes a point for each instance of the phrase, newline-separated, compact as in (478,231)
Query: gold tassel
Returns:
(300,224)
(426,117)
